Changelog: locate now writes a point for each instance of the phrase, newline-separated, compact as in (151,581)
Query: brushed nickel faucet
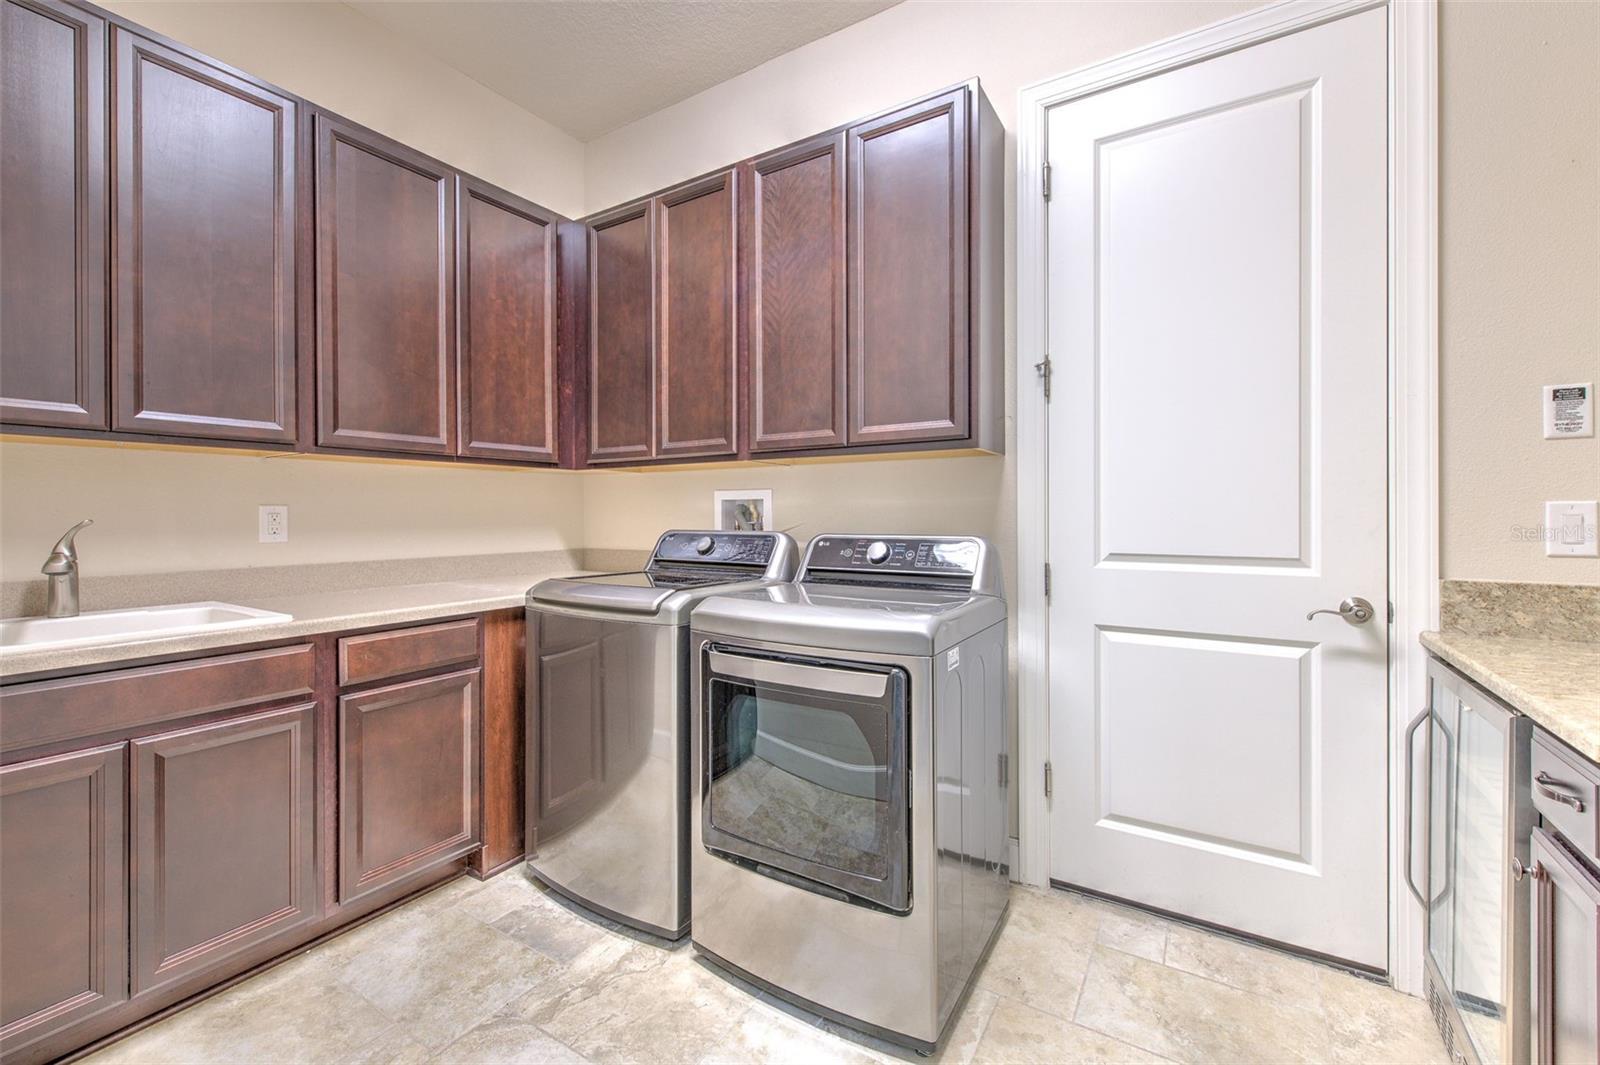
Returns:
(61,598)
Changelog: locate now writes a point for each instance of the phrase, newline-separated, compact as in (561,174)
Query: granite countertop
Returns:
(312,612)
(1555,683)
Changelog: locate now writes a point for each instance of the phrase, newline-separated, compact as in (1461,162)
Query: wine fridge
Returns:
(1477,819)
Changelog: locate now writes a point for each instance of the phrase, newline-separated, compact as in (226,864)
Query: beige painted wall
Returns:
(952,495)
(1519,276)
(160,511)
(335,57)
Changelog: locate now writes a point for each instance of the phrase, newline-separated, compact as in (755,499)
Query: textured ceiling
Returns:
(590,66)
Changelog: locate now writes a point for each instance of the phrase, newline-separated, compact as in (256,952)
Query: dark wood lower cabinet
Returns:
(224,840)
(408,779)
(504,672)
(248,806)
(63,894)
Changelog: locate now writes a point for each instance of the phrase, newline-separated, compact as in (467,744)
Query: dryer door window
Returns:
(806,773)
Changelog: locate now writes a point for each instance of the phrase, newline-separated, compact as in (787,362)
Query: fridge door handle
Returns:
(1411,737)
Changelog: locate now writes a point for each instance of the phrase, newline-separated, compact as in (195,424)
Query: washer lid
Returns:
(897,621)
(628,593)
(660,596)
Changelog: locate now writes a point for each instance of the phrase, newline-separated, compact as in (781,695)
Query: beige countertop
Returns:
(312,612)
(1555,683)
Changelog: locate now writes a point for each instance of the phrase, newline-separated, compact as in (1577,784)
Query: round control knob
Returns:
(877,552)
(704,545)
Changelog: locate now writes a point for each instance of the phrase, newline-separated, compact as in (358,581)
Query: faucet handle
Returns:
(65,554)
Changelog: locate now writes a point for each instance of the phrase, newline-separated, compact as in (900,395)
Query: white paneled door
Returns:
(1217,327)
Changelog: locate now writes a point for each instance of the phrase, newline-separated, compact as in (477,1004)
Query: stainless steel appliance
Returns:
(1479,816)
(849,845)
(608,722)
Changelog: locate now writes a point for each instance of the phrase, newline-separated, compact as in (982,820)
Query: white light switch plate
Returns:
(274,524)
(1569,529)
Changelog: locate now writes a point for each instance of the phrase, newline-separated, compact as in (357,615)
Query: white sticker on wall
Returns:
(952,658)
(1568,411)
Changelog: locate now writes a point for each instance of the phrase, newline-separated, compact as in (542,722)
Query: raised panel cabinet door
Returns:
(794,211)
(506,380)
(204,280)
(63,893)
(224,840)
(1566,954)
(622,343)
(697,331)
(53,161)
(909,251)
(385,229)
(408,779)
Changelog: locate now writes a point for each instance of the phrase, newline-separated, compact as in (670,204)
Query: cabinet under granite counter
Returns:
(179,811)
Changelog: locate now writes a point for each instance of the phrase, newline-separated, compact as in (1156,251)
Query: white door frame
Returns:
(1413,397)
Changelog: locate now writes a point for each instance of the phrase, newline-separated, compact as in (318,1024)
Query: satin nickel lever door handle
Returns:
(1355,610)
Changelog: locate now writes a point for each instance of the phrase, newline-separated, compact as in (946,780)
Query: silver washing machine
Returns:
(849,847)
(608,722)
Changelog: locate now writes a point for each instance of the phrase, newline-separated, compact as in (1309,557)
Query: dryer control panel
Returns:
(933,556)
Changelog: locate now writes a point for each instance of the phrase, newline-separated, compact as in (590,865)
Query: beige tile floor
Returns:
(503,971)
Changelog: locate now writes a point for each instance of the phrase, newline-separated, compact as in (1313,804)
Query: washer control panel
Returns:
(744,549)
(943,556)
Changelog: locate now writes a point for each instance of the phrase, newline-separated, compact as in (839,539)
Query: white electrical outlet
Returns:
(1569,529)
(274,524)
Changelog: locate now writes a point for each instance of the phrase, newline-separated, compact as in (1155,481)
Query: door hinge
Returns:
(1049,780)
(1005,770)
(1047,181)
(1391,612)
(1047,582)
(1044,370)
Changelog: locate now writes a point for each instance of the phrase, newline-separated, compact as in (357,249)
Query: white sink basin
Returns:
(117,626)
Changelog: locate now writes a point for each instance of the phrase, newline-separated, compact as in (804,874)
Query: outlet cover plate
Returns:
(274,520)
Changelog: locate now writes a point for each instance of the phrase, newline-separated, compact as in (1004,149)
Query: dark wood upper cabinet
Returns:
(52,215)
(408,779)
(697,330)
(224,840)
(385,233)
(204,213)
(794,236)
(63,894)
(909,256)
(506,269)
(621,372)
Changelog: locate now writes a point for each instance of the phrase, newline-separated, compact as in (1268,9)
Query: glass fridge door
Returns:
(1472,821)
